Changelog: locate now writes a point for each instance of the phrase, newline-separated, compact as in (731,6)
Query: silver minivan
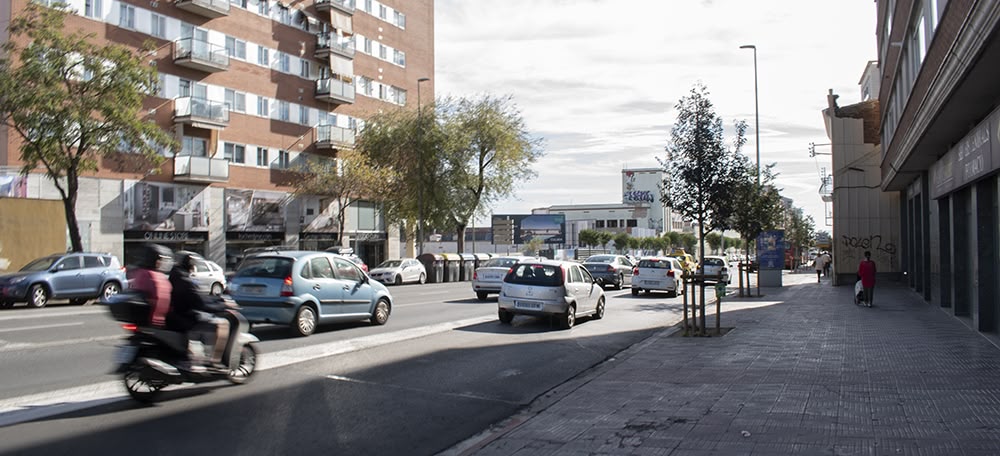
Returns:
(547,288)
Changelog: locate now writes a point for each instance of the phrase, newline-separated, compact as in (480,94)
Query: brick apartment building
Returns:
(249,88)
(939,98)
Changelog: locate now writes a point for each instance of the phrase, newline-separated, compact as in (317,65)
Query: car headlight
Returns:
(17,280)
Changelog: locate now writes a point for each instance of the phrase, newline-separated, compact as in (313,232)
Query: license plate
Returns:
(252,289)
(528,305)
(125,354)
(650,282)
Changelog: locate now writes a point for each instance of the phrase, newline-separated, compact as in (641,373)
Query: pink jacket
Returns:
(156,287)
(867,272)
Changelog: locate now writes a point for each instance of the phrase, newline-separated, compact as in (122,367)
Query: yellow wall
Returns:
(29,229)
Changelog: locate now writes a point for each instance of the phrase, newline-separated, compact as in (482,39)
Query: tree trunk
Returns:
(701,295)
(460,234)
(69,204)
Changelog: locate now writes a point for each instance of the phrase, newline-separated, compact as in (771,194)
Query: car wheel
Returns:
(506,317)
(110,289)
(398,281)
(599,313)
(620,282)
(482,295)
(381,313)
(635,291)
(38,296)
(569,318)
(305,321)
(672,293)
(423,278)
(216,289)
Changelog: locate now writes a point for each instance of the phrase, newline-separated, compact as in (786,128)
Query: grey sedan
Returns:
(614,270)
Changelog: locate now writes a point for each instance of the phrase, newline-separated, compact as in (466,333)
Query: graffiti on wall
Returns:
(883,251)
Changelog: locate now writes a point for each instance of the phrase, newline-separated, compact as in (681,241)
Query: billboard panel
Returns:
(522,228)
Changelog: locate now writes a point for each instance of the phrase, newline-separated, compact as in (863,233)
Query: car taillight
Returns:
(670,273)
(286,288)
(635,271)
(611,268)
(475,275)
(130,327)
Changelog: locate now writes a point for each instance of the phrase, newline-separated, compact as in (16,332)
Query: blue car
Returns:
(302,289)
(78,277)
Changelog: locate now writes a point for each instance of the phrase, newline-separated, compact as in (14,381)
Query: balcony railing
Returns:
(331,42)
(189,168)
(332,137)
(201,113)
(335,91)
(205,8)
(200,55)
(347,6)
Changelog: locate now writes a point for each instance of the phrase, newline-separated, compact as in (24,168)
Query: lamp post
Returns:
(756,109)
(420,176)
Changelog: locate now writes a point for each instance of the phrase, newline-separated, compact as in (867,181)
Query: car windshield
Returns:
(655,264)
(713,262)
(536,274)
(267,267)
(501,263)
(40,264)
(601,259)
(390,264)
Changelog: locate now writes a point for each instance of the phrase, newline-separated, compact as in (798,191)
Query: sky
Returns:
(598,81)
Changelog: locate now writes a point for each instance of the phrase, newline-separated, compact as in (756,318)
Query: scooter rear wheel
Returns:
(140,388)
(248,365)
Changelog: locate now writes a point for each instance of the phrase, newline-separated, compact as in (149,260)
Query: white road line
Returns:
(31,407)
(13,346)
(28,328)
(41,314)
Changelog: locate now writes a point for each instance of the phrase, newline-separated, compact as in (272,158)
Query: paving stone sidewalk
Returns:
(805,371)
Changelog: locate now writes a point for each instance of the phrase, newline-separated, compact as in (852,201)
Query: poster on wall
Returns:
(164,207)
(13,186)
(771,249)
(255,210)
(522,228)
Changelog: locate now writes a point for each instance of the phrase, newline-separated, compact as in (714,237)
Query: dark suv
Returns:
(74,276)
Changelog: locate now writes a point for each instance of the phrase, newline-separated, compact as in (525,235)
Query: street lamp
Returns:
(420,180)
(756,109)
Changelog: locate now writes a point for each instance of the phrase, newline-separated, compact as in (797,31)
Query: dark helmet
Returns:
(184,261)
(151,254)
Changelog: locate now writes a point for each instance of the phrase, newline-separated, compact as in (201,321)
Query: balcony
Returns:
(332,137)
(335,91)
(344,6)
(201,113)
(330,42)
(200,55)
(205,8)
(188,168)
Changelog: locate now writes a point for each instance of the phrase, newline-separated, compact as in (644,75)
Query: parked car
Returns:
(303,289)
(614,270)
(712,266)
(488,278)
(78,277)
(208,276)
(548,288)
(658,274)
(684,259)
(399,271)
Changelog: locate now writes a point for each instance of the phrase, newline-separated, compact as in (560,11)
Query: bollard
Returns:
(720,292)
(684,300)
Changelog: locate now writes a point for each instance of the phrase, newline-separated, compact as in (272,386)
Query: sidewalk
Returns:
(805,371)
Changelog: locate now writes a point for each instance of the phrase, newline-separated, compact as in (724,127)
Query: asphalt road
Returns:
(443,369)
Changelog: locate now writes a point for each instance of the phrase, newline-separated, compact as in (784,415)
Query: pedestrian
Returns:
(819,263)
(866,270)
(829,263)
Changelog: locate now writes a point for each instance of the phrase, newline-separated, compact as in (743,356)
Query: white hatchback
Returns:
(657,274)
(488,278)
(560,289)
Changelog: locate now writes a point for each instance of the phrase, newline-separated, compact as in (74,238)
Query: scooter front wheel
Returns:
(247,366)
(139,387)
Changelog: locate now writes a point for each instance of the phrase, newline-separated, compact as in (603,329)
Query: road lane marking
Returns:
(40,405)
(14,346)
(28,328)
(41,314)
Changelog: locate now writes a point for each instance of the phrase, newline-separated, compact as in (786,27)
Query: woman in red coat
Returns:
(866,270)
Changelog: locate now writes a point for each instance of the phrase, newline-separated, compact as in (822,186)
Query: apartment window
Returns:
(234,152)
(326,119)
(283,111)
(159,26)
(183,88)
(612,223)
(399,57)
(262,57)
(303,115)
(261,156)
(383,12)
(239,3)
(382,92)
(383,51)
(284,16)
(126,16)
(304,68)
(598,223)
(236,101)
(400,19)
(92,8)
(366,86)
(368,6)
(263,109)
(401,96)
(197,147)
(282,161)
(263,7)
(631,223)
(161,85)
(236,48)
(284,62)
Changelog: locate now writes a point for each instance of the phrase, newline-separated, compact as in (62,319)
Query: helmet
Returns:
(184,261)
(155,256)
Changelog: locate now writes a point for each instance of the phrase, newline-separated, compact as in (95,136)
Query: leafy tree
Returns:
(673,239)
(73,101)
(714,241)
(799,232)
(532,247)
(603,238)
(759,205)
(589,238)
(621,242)
(350,179)
(687,242)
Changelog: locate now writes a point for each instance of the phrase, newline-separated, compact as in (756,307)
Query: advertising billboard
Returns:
(522,228)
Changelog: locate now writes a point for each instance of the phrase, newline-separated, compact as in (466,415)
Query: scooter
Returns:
(152,358)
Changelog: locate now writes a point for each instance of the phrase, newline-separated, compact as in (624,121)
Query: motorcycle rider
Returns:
(193,313)
(149,279)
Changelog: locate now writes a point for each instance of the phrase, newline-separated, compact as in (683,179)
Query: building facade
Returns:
(251,89)
(939,150)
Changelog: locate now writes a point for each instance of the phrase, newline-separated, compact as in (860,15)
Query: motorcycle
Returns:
(155,358)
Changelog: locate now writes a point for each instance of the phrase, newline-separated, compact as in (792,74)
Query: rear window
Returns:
(655,264)
(536,274)
(600,259)
(713,262)
(501,263)
(268,267)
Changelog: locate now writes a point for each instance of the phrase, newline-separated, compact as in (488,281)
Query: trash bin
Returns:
(452,262)
(434,264)
(468,267)
(481,259)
